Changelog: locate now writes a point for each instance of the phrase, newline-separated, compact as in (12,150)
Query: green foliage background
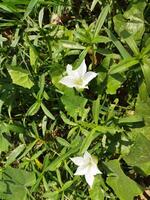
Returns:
(43,123)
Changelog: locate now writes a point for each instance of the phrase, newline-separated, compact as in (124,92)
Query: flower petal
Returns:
(68,81)
(89,179)
(69,69)
(87,156)
(81,70)
(88,76)
(94,170)
(82,170)
(78,160)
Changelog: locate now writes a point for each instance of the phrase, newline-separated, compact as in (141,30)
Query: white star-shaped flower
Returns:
(78,78)
(87,166)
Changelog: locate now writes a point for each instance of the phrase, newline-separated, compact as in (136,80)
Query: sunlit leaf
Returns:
(20,77)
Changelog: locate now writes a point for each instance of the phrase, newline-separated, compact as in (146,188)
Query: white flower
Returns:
(78,78)
(87,165)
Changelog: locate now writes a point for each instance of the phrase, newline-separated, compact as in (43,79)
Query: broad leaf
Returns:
(74,104)
(124,187)
(16,180)
(132,21)
(139,155)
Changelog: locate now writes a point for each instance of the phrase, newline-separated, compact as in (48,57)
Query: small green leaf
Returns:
(118,44)
(94,4)
(113,83)
(4,144)
(123,65)
(146,71)
(63,142)
(71,45)
(34,108)
(133,119)
(47,112)
(66,185)
(20,77)
(96,109)
(33,56)
(101,19)
(66,120)
(41,15)
(14,154)
(30,7)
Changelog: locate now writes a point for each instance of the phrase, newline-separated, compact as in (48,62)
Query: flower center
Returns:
(78,81)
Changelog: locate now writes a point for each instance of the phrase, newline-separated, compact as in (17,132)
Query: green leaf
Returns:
(146,71)
(81,57)
(20,176)
(142,109)
(8,7)
(16,180)
(66,120)
(40,18)
(101,19)
(20,77)
(145,50)
(94,4)
(139,156)
(74,105)
(57,162)
(133,119)
(33,56)
(96,109)
(132,21)
(132,44)
(4,144)
(118,44)
(113,83)
(14,154)
(41,86)
(124,187)
(71,45)
(63,142)
(52,195)
(34,108)
(47,112)
(56,75)
(123,65)
(93,134)
(30,7)
(97,192)
(100,39)
(16,192)
(66,185)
